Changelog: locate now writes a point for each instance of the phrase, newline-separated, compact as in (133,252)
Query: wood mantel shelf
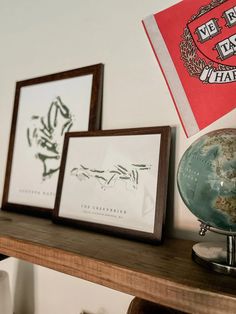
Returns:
(163,274)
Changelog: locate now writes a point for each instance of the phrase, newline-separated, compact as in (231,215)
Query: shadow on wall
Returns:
(24,289)
(5,294)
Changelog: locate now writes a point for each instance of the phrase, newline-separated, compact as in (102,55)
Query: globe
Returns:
(206,179)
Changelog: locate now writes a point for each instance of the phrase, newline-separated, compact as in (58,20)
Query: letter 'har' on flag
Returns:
(195,45)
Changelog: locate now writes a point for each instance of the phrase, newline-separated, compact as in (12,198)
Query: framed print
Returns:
(45,108)
(115,181)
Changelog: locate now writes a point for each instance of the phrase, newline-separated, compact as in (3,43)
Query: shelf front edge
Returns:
(113,276)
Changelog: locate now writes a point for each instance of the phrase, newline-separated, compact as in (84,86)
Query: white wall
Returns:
(39,290)
(49,36)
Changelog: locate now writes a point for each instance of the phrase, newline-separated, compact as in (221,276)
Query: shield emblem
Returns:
(214,33)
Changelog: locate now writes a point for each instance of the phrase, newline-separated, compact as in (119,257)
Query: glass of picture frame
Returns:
(45,108)
(115,181)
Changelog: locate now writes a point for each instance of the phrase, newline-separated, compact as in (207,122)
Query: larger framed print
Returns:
(115,181)
(45,108)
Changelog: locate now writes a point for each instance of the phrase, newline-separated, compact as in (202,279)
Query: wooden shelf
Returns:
(163,274)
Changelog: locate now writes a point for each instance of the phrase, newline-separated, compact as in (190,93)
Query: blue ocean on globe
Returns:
(206,179)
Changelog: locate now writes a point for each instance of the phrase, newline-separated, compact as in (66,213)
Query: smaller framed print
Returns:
(115,181)
(45,108)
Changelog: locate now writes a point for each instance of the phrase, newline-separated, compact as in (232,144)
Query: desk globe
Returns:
(206,181)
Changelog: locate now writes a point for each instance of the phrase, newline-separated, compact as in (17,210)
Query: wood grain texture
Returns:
(162,274)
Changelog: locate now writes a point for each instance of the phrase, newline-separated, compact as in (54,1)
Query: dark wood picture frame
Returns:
(87,84)
(83,188)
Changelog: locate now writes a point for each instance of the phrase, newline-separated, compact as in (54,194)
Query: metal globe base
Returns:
(216,256)
(215,259)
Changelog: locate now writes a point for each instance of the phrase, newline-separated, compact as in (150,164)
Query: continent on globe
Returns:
(207,179)
(227,205)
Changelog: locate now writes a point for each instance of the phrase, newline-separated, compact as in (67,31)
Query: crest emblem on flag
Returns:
(208,47)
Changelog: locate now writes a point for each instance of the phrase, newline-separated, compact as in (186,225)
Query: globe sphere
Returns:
(206,179)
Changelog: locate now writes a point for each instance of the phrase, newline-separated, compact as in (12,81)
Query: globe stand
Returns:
(217,256)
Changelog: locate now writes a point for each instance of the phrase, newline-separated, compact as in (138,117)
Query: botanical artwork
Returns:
(46,133)
(107,178)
